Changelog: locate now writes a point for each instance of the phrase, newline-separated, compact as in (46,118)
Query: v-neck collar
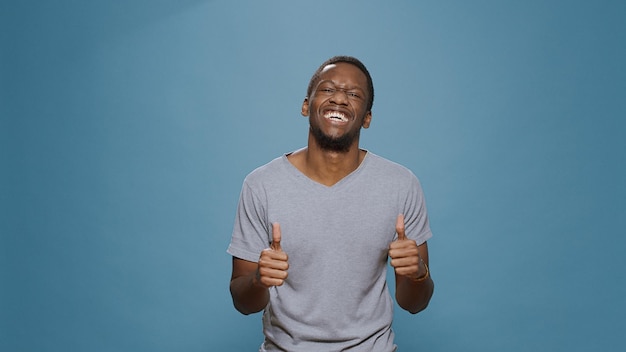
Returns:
(339,184)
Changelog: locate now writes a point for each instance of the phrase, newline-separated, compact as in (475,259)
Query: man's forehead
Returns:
(346,65)
(328,67)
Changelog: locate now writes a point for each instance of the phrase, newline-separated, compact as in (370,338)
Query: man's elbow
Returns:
(422,304)
(417,309)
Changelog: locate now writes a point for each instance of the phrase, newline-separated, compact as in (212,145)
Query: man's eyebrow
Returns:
(323,81)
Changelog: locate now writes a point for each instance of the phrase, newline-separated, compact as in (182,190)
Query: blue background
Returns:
(128,126)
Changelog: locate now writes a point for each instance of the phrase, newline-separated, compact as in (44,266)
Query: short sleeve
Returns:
(251,229)
(415,214)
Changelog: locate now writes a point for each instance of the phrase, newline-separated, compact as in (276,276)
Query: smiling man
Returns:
(315,228)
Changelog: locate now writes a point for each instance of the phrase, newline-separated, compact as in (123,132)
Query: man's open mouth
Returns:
(336,115)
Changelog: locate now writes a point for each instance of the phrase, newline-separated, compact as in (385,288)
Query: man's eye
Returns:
(328,90)
(353,95)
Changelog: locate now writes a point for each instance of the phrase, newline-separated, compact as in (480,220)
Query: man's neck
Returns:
(327,167)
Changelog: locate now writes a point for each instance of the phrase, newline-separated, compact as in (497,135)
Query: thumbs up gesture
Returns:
(273,265)
(404,252)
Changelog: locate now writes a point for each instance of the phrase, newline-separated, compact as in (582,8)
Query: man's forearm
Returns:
(413,296)
(248,295)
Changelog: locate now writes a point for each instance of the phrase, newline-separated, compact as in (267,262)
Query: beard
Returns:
(340,144)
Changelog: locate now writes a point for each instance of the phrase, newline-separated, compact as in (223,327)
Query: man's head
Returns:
(338,104)
(347,59)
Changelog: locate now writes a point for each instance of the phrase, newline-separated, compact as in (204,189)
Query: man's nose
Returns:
(340,97)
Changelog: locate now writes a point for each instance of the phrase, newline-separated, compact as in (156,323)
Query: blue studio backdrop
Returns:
(127,128)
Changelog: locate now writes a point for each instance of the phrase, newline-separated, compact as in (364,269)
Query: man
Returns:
(314,229)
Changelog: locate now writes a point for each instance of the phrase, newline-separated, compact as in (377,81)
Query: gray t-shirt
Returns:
(337,239)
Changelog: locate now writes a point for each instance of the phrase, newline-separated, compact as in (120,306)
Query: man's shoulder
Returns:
(267,172)
(387,166)
(265,168)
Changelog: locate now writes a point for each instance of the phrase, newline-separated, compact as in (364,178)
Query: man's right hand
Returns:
(273,265)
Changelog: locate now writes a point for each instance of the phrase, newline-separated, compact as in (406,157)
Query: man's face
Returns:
(337,107)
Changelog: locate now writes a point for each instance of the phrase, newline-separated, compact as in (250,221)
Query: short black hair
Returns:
(350,60)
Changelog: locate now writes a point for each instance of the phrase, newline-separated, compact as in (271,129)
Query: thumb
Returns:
(400,227)
(276,237)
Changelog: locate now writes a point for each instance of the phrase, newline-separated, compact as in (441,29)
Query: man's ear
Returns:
(305,107)
(367,120)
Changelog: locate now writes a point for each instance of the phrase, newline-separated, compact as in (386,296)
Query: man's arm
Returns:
(414,286)
(250,282)
(413,293)
(249,295)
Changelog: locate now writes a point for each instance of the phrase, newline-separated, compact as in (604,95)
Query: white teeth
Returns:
(336,115)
